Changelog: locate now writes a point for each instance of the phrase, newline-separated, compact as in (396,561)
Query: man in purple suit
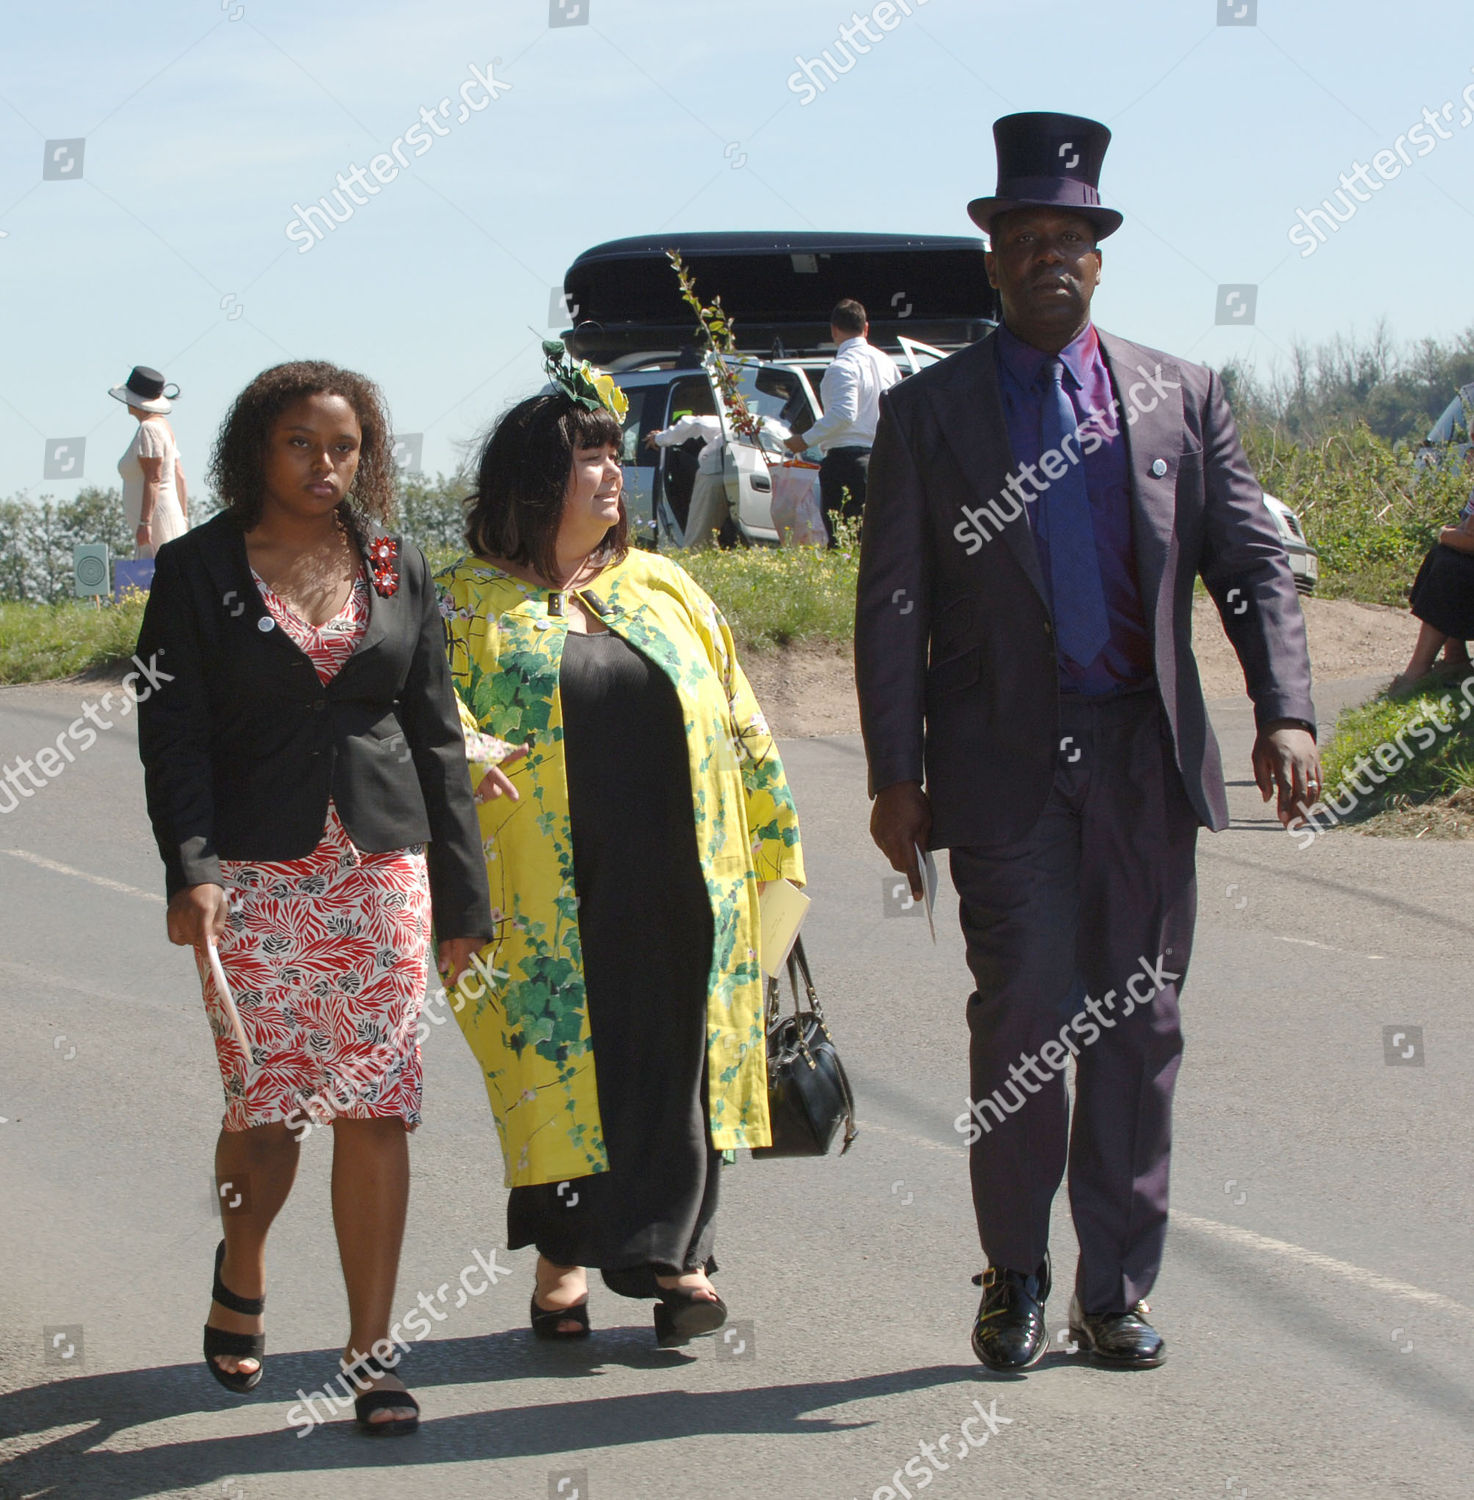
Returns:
(1040,505)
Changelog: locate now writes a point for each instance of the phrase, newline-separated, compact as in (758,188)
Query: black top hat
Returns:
(1048,161)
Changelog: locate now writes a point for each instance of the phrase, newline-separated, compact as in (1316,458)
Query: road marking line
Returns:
(1262,1243)
(1324,947)
(1369,1280)
(102,880)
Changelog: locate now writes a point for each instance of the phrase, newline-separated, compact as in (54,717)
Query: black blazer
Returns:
(242,744)
(954,644)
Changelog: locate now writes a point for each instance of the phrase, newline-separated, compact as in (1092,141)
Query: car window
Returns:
(629,447)
(917,356)
(776,395)
(690,396)
(643,415)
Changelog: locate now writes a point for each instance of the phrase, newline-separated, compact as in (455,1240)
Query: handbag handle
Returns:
(798,965)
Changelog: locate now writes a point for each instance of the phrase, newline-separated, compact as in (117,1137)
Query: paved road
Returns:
(1316,1295)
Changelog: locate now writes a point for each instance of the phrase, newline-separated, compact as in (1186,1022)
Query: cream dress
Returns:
(152,440)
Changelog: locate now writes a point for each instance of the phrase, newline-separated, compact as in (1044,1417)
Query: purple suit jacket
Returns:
(954,645)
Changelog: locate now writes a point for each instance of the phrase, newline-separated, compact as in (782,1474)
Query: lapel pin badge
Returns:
(1159,467)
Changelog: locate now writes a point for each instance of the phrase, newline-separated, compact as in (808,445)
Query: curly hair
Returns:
(522,478)
(237,464)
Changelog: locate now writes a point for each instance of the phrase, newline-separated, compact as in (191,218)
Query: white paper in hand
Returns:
(782,907)
(222,988)
(928,867)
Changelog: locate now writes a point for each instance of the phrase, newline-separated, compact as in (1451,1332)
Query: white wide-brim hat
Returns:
(146,389)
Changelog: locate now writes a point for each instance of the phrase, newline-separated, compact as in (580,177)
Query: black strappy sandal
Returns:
(545,1320)
(220,1341)
(364,1406)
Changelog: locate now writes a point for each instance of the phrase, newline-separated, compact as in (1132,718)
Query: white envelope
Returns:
(782,907)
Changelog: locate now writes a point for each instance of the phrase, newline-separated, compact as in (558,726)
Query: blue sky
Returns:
(206,121)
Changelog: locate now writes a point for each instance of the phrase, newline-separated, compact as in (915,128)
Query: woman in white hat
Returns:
(154,496)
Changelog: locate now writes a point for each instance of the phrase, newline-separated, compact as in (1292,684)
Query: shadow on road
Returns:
(77,1467)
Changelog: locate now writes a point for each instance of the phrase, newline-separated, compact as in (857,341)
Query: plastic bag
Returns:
(797,514)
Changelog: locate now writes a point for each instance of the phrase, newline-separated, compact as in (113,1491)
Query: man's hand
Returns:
(453,957)
(1286,758)
(195,914)
(795,444)
(650,440)
(899,821)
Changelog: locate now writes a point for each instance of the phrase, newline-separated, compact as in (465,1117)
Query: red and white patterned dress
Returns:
(324,955)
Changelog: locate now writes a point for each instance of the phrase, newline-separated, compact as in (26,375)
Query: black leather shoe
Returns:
(1010,1334)
(1125,1340)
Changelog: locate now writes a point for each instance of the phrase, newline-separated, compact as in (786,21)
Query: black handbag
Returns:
(809,1096)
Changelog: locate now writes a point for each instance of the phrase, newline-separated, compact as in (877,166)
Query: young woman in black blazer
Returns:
(302,746)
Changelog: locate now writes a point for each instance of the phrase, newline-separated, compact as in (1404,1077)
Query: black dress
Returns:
(1443,592)
(645,925)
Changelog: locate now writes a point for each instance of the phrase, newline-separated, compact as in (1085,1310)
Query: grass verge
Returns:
(1397,762)
(775,596)
(770,596)
(43,641)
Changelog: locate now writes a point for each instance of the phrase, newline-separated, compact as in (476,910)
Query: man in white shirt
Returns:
(850,396)
(708,507)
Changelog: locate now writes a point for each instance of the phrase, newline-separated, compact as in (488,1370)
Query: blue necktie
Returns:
(1080,623)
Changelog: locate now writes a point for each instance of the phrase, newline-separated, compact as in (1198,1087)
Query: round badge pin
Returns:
(1159,467)
(265,623)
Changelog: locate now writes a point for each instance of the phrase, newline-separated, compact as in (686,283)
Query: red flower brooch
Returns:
(383,556)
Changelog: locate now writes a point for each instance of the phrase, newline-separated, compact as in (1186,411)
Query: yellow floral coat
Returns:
(529,1030)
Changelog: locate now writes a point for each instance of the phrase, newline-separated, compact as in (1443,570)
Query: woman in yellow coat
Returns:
(621,1037)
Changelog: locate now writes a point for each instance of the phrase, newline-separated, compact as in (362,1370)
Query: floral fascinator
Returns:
(590,388)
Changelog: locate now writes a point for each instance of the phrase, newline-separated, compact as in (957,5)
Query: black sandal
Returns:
(220,1341)
(364,1406)
(680,1313)
(545,1320)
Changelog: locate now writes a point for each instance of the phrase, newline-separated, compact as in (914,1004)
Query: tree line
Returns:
(1395,391)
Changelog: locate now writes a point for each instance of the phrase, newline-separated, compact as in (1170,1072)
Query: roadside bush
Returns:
(42,641)
(774,596)
(1435,725)
(37,537)
(45,632)
(1366,506)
